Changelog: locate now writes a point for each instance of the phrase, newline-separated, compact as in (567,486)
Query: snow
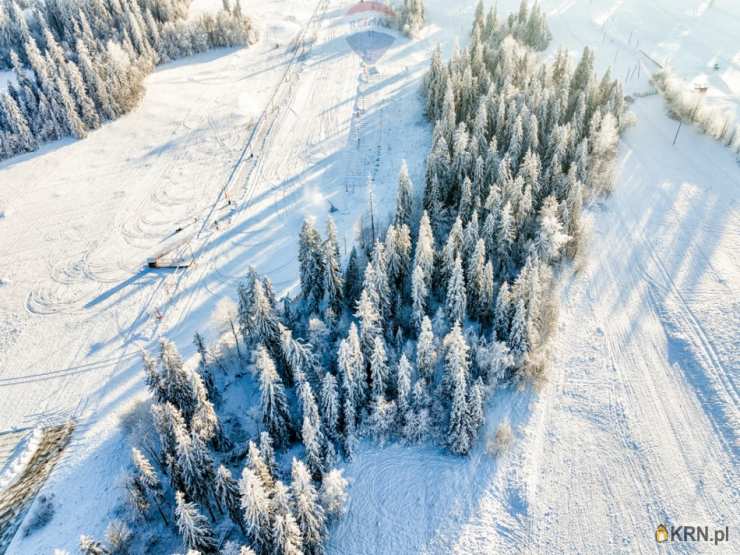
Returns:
(18,458)
(6,78)
(638,421)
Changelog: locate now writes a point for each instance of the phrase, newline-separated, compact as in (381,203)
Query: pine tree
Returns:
(504,238)
(351,364)
(476,398)
(382,418)
(403,198)
(311,433)
(176,382)
(352,279)
(297,355)
(426,353)
(369,316)
(476,281)
(333,285)
(502,312)
(308,512)
(256,463)
(550,237)
(264,322)
(378,367)
(226,490)
(424,255)
(150,482)
(310,257)
(204,368)
(456,293)
(403,384)
(376,281)
(255,503)
(456,380)
(452,249)
(91,546)
(398,253)
(286,535)
(268,453)
(193,526)
(273,402)
(85,105)
(16,123)
(419,293)
(329,403)
(519,336)
(168,422)
(195,466)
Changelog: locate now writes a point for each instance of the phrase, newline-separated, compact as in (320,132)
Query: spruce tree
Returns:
(378,367)
(404,198)
(502,312)
(456,381)
(370,321)
(91,546)
(268,453)
(403,384)
(194,528)
(456,301)
(426,353)
(311,262)
(226,490)
(419,293)
(352,279)
(273,402)
(257,512)
(475,280)
(519,336)
(308,512)
(329,404)
(311,432)
(149,480)
(195,467)
(351,364)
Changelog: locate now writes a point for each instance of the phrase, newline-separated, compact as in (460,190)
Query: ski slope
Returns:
(638,422)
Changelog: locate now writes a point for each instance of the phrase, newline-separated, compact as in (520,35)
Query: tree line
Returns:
(79,63)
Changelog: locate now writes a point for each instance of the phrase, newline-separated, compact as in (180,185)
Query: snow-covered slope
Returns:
(638,421)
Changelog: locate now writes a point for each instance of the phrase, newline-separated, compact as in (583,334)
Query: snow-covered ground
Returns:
(6,77)
(638,422)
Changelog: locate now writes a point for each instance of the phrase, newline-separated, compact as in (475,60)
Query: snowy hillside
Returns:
(637,421)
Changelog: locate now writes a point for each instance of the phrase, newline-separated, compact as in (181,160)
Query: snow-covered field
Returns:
(638,422)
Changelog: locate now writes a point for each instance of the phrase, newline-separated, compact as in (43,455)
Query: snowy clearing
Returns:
(638,421)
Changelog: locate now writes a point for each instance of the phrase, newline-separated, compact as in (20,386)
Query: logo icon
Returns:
(661,534)
(371,34)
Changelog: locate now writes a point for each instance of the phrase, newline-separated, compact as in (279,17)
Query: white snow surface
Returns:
(6,78)
(638,421)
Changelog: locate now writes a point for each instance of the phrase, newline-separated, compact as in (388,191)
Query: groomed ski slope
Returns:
(638,421)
